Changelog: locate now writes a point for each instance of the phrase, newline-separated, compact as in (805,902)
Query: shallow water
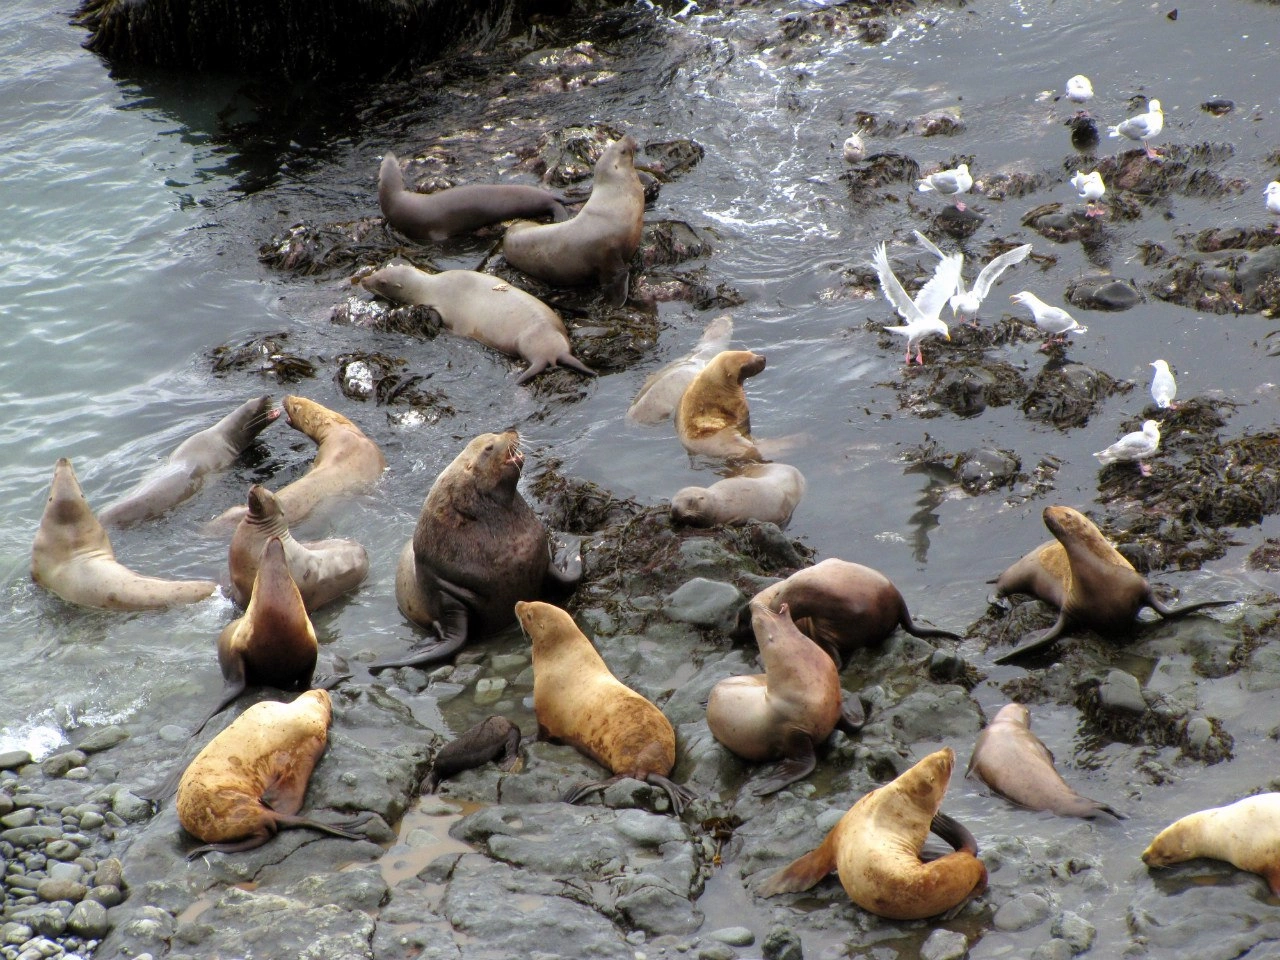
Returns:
(128,250)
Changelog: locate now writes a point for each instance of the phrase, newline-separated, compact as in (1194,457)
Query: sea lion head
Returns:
(1013,713)
(263,505)
(66,503)
(393,281)
(1172,845)
(250,419)
(692,505)
(926,782)
(494,460)
(737,365)
(544,624)
(312,418)
(618,158)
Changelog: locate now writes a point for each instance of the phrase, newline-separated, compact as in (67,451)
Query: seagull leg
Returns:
(919,355)
(960,205)
(1144,469)
(1091,211)
(1151,154)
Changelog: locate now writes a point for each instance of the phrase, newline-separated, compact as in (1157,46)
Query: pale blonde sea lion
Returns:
(660,394)
(1086,578)
(876,846)
(484,308)
(768,492)
(249,781)
(1013,762)
(1246,834)
(713,418)
(597,245)
(72,557)
(578,701)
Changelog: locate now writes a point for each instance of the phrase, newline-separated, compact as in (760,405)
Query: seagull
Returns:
(921,313)
(854,149)
(1091,188)
(1163,387)
(1134,447)
(1079,90)
(1055,322)
(947,183)
(1142,126)
(1272,194)
(966,303)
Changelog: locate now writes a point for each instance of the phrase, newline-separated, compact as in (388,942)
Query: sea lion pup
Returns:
(876,850)
(182,475)
(597,245)
(322,569)
(844,606)
(72,557)
(347,462)
(578,701)
(1012,761)
(248,782)
(487,309)
(457,210)
(785,712)
(713,418)
(661,391)
(477,549)
(767,492)
(1086,578)
(1246,834)
(492,738)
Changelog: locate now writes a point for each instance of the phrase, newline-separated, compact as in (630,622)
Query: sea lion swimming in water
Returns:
(660,394)
(1087,579)
(768,492)
(714,419)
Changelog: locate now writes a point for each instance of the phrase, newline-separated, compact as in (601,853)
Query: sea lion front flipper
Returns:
(955,833)
(452,629)
(327,681)
(852,715)
(799,763)
(804,873)
(233,686)
(1042,642)
(239,846)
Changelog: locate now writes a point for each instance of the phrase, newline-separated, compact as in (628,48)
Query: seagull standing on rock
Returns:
(1272,195)
(921,313)
(1143,127)
(947,183)
(1054,322)
(965,304)
(1163,387)
(1091,188)
(1080,90)
(1134,447)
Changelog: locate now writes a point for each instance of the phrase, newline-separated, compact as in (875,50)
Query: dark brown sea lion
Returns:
(1012,761)
(249,781)
(768,492)
(597,245)
(477,549)
(844,606)
(578,701)
(457,210)
(182,475)
(322,569)
(785,712)
(485,308)
(72,557)
(1246,834)
(876,846)
(492,738)
(713,418)
(1087,579)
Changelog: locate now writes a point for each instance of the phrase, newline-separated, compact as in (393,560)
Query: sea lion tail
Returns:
(804,873)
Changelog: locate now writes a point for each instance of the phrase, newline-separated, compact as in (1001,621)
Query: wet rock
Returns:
(1258,279)
(1054,949)
(945,945)
(782,943)
(103,738)
(50,890)
(569,156)
(60,764)
(956,223)
(129,807)
(938,123)
(672,158)
(921,715)
(264,354)
(668,242)
(1084,132)
(705,603)
(1218,106)
(733,936)
(878,171)
(1078,932)
(13,759)
(1120,691)
(1066,395)
(982,470)
(1103,293)
(1022,913)
(89,920)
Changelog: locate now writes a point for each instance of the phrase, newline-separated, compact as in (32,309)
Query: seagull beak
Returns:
(947,334)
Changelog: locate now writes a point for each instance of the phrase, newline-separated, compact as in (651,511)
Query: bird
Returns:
(947,183)
(1163,387)
(1134,447)
(1142,126)
(1272,195)
(854,149)
(921,313)
(1055,322)
(1079,90)
(966,303)
(1091,188)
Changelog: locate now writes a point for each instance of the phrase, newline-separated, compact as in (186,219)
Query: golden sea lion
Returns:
(1012,761)
(578,701)
(876,846)
(72,557)
(660,394)
(713,418)
(248,782)
(1086,578)
(768,492)
(1246,834)
(785,712)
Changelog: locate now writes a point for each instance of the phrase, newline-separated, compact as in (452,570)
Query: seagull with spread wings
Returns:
(921,313)
(965,304)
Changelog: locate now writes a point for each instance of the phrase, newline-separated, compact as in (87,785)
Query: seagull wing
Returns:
(892,289)
(933,295)
(991,272)
(933,247)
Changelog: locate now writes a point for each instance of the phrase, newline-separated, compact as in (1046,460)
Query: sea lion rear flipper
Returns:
(531,371)
(565,567)
(239,846)
(567,359)
(799,763)
(452,629)
(953,832)
(327,681)
(804,873)
(1042,642)
(511,761)
(907,624)
(1154,603)
(583,790)
(166,788)
(616,286)
(852,715)
(678,795)
(343,829)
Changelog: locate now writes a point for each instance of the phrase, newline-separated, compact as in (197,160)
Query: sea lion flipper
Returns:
(1152,601)
(803,873)
(511,761)
(424,654)
(535,367)
(907,624)
(165,789)
(1042,642)
(234,686)
(951,830)
(678,795)
(799,763)
(565,568)
(343,829)
(567,359)
(852,716)
(239,846)
(583,790)
(616,285)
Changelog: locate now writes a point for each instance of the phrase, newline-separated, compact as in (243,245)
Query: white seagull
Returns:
(1272,195)
(854,149)
(1134,447)
(921,313)
(1142,126)
(1163,387)
(1091,188)
(1079,90)
(965,304)
(947,183)
(1055,322)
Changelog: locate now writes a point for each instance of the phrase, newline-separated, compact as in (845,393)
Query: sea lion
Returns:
(876,850)
(477,549)
(1246,834)
(347,462)
(785,712)
(457,210)
(1012,761)
(322,569)
(72,557)
(760,491)
(183,473)
(248,782)
(661,391)
(487,309)
(844,606)
(1086,578)
(713,418)
(597,245)
(578,701)
(492,738)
